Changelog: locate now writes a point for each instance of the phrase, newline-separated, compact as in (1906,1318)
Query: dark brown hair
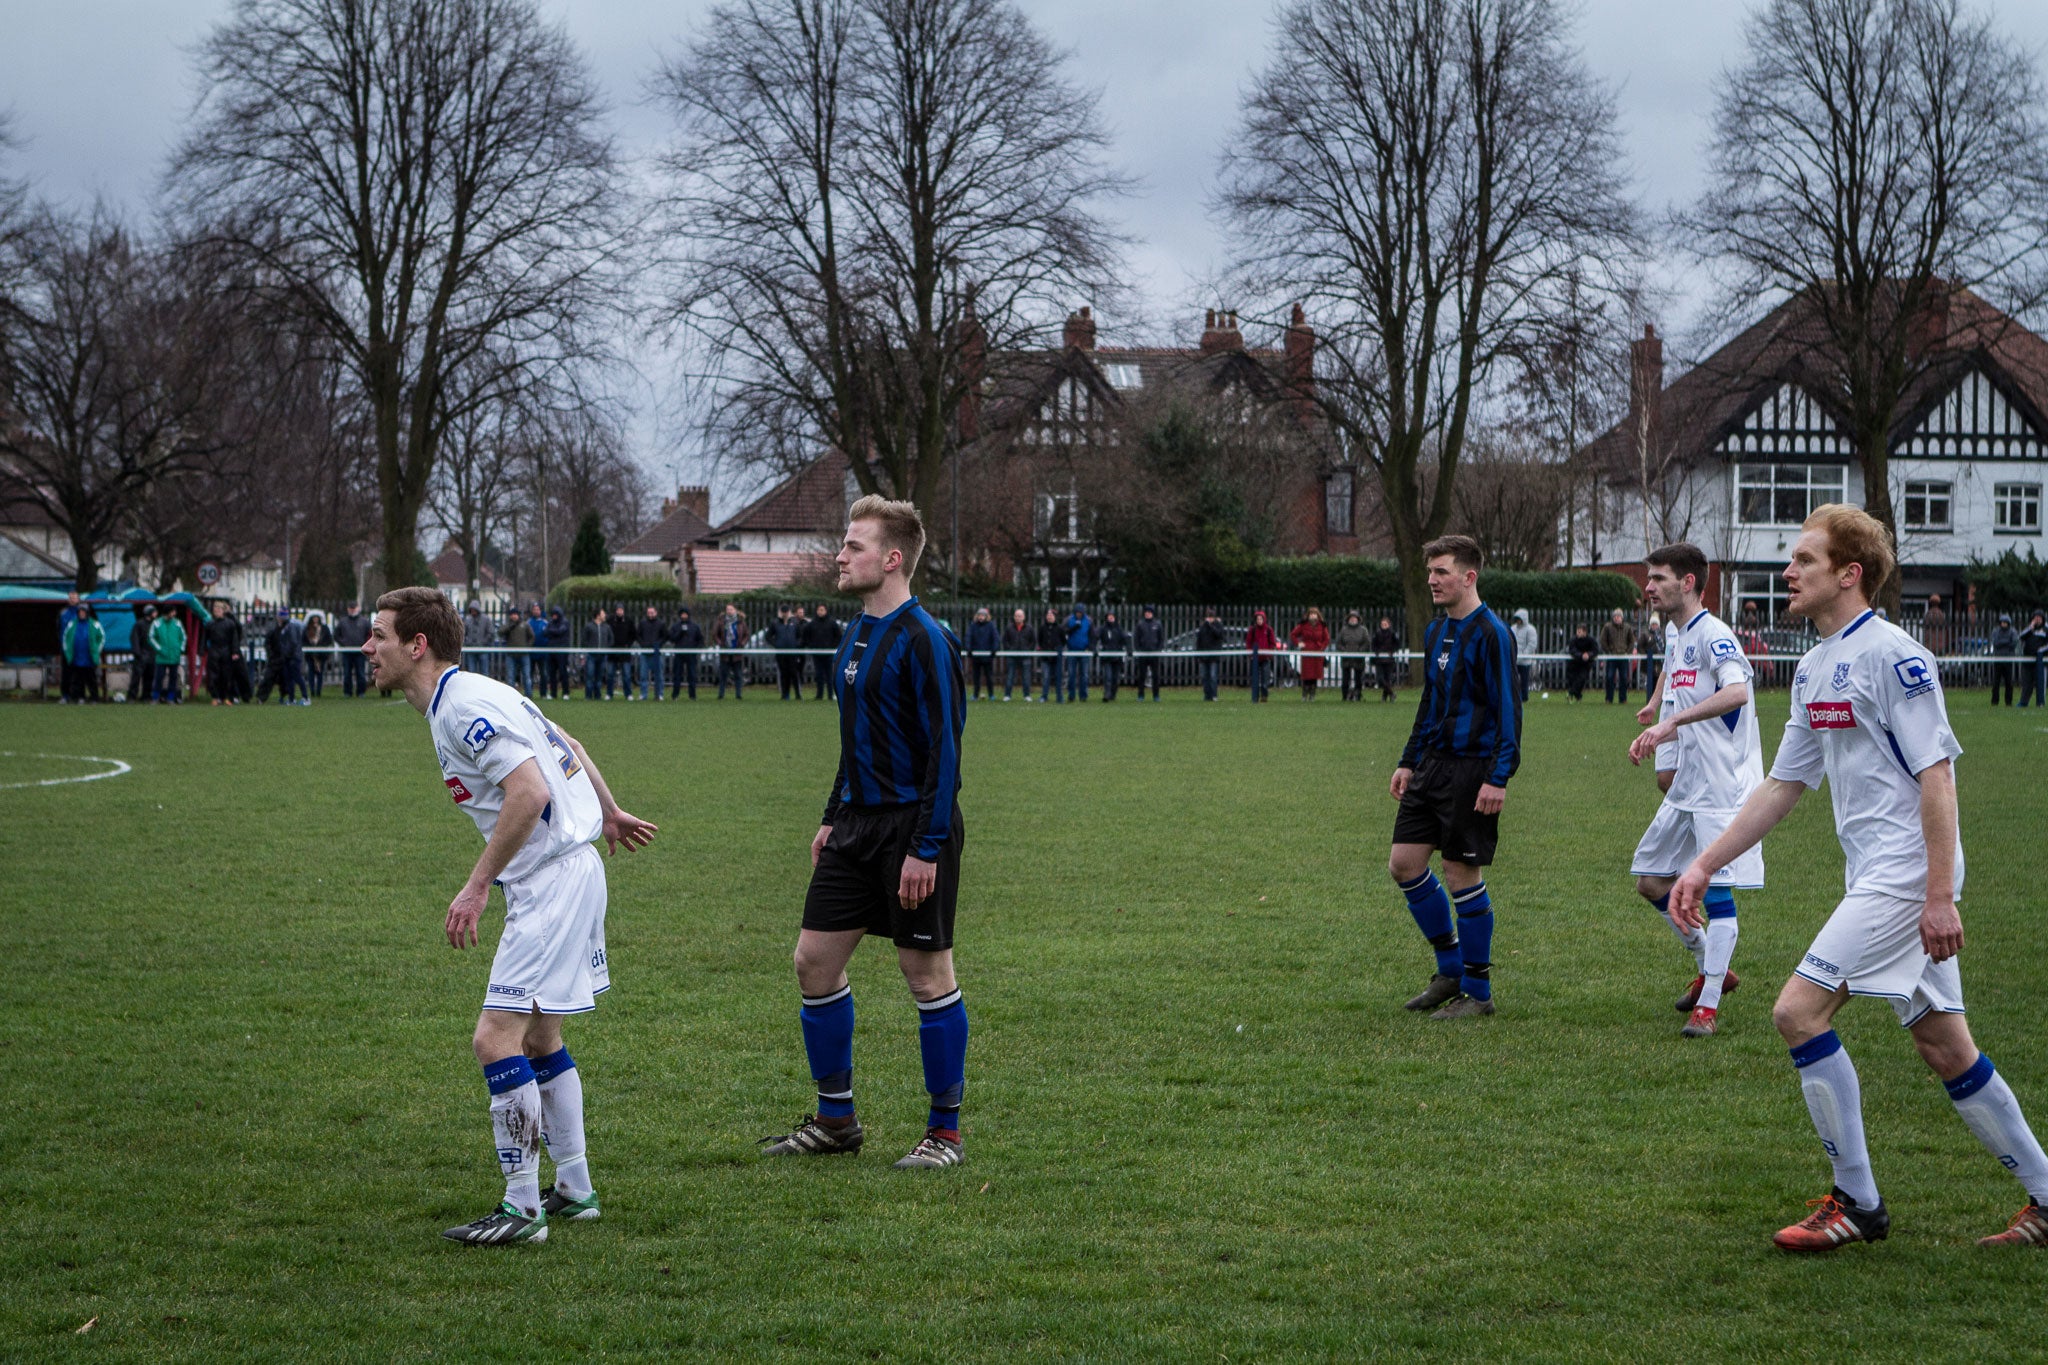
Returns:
(428,612)
(1463,550)
(1682,558)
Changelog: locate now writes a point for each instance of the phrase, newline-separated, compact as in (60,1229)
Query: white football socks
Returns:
(1835,1101)
(561,1100)
(515,1120)
(1988,1106)
(1720,950)
(1694,940)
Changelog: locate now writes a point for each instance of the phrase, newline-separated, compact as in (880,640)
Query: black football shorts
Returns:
(1440,809)
(860,868)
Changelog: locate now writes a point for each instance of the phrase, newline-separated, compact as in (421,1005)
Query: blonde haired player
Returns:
(539,803)
(1868,715)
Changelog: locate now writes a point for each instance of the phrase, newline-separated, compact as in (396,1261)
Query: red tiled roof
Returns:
(730,571)
(449,568)
(667,537)
(812,499)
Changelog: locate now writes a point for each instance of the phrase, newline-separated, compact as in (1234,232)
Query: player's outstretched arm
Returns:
(619,827)
(526,796)
(1771,802)
(1941,927)
(1720,704)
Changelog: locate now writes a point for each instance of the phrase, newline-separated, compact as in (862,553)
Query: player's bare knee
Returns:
(1650,888)
(1403,869)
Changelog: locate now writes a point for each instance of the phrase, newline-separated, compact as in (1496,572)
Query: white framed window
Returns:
(1058,517)
(1928,503)
(2018,508)
(1338,494)
(1786,494)
(1124,376)
(1765,588)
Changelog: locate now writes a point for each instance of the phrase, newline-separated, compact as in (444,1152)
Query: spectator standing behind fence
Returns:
(1934,627)
(2004,641)
(1080,642)
(536,624)
(1112,642)
(556,659)
(1051,639)
(141,663)
(1386,656)
(653,632)
(66,683)
(477,633)
(597,659)
(1578,666)
(822,632)
(1650,644)
(686,639)
(85,639)
(1526,644)
(1352,641)
(222,639)
(788,641)
(1312,638)
(1260,641)
(1017,643)
(731,637)
(168,636)
(625,663)
(318,641)
(1618,643)
(1209,642)
(2034,668)
(1148,639)
(351,633)
(517,638)
(984,642)
(282,661)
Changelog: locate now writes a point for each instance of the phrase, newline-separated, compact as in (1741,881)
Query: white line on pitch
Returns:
(115,771)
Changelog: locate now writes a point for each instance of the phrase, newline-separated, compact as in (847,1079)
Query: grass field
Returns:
(241,1102)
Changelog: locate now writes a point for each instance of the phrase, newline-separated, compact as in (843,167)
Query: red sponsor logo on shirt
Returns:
(1684,677)
(1831,715)
(457,790)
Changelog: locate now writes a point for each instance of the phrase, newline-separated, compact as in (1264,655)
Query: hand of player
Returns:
(1491,799)
(818,842)
(630,830)
(1645,744)
(1398,788)
(1941,929)
(919,877)
(1648,715)
(463,913)
(1687,893)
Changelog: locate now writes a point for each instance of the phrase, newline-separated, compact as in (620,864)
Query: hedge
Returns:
(613,587)
(1345,581)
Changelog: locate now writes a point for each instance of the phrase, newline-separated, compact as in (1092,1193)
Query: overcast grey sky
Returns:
(100,87)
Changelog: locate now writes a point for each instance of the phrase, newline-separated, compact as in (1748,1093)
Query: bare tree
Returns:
(1510,498)
(114,365)
(862,192)
(1434,178)
(423,181)
(1867,156)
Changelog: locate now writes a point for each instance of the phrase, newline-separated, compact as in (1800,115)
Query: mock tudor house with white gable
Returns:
(1735,453)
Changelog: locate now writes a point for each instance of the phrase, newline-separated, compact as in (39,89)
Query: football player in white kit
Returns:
(539,803)
(1868,715)
(1704,720)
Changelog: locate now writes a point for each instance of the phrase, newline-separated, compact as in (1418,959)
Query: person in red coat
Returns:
(1311,637)
(1260,641)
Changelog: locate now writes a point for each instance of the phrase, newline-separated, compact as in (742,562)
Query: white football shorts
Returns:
(1872,942)
(1675,837)
(551,956)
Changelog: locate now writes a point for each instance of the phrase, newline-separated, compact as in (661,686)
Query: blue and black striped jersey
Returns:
(902,707)
(1471,704)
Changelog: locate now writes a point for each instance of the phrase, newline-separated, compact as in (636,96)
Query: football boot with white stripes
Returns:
(555,1204)
(813,1138)
(933,1152)
(1834,1222)
(2029,1228)
(1686,1003)
(501,1228)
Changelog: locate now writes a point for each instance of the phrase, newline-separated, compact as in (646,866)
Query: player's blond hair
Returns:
(1855,537)
(902,527)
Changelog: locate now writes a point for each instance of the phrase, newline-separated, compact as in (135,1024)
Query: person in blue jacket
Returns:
(1080,641)
(984,642)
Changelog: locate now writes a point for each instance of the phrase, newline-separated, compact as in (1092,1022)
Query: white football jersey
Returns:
(1720,761)
(482,731)
(1868,714)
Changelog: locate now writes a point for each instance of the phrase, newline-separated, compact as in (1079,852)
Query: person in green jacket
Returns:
(168,636)
(84,638)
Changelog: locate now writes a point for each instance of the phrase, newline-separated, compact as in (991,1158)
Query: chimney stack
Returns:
(973,370)
(1929,331)
(696,497)
(1081,329)
(1220,332)
(1646,386)
(1301,362)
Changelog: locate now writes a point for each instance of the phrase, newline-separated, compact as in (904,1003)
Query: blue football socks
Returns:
(828,1042)
(1432,911)
(942,1039)
(1475,941)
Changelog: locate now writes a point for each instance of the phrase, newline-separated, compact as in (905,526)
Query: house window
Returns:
(1786,494)
(1766,590)
(1059,518)
(1124,376)
(2018,508)
(1927,505)
(1337,498)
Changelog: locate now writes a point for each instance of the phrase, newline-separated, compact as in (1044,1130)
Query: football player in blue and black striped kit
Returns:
(886,858)
(1452,781)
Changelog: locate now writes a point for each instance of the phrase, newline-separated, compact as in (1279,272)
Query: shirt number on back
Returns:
(570,767)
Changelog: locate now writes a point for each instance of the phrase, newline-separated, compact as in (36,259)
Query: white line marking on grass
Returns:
(114,771)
